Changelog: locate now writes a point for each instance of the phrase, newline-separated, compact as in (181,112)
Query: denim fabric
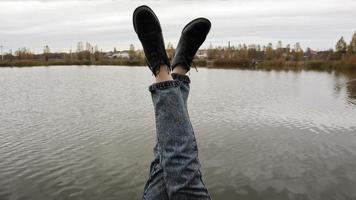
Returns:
(175,171)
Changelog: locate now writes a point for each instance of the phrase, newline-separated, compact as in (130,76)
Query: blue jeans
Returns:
(175,171)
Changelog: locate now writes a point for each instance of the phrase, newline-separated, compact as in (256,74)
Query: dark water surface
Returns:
(88,132)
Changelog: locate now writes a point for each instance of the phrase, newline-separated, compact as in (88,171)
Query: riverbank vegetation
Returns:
(288,57)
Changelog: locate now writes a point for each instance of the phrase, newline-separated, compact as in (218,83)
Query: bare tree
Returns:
(353,43)
(46,52)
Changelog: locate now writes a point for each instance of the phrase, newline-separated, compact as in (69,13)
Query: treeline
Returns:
(82,56)
(293,57)
(343,57)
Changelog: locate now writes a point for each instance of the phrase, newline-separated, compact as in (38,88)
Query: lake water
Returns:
(88,132)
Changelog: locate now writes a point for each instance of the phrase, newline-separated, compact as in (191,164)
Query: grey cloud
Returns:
(60,24)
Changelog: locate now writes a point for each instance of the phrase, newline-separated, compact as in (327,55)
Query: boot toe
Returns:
(145,21)
(197,28)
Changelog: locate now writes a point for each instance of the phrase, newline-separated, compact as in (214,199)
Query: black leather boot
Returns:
(193,36)
(148,29)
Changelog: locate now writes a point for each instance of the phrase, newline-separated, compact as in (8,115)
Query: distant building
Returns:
(109,54)
(203,53)
(121,54)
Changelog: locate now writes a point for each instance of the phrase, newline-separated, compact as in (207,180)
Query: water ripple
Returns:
(84,133)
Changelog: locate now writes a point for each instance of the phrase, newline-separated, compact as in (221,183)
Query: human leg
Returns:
(177,144)
(175,171)
(185,85)
(192,37)
(149,31)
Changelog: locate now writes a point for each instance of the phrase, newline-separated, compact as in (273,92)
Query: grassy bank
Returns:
(346,64)
(309,65)
(33,63)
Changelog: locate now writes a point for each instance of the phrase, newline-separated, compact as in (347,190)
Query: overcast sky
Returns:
(108,23)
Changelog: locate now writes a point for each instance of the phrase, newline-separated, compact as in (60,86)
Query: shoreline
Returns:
(317,65)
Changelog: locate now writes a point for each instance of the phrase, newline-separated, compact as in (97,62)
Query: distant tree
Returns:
(341,46)
(88,47)
(87,55)
(244,46)
(328,55)
(297,47)
(132,52)
(349,49)
(353,43)
(96,53)
(279,45)
(24,53)
(169,45)
(212,52)
(132,47)
(298,55)
(46,52)
(297,52)
(279,50)
(170,50)
(80,51)
(258,47)
(252,51)
(79,47)
(243,52)
(10,56)
(269,51)
(309,53)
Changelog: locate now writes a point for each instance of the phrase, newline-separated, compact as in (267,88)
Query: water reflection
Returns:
(351,90)
(88,132)
(348,82)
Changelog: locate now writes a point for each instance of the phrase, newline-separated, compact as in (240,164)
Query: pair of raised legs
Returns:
(175,171)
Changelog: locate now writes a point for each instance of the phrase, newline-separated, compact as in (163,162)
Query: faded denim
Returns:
(175,171)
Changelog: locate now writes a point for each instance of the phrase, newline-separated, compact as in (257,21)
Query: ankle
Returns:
(179,70)
(163,74)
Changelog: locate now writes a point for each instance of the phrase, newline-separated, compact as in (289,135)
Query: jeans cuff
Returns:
(180,77)
(164,85)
